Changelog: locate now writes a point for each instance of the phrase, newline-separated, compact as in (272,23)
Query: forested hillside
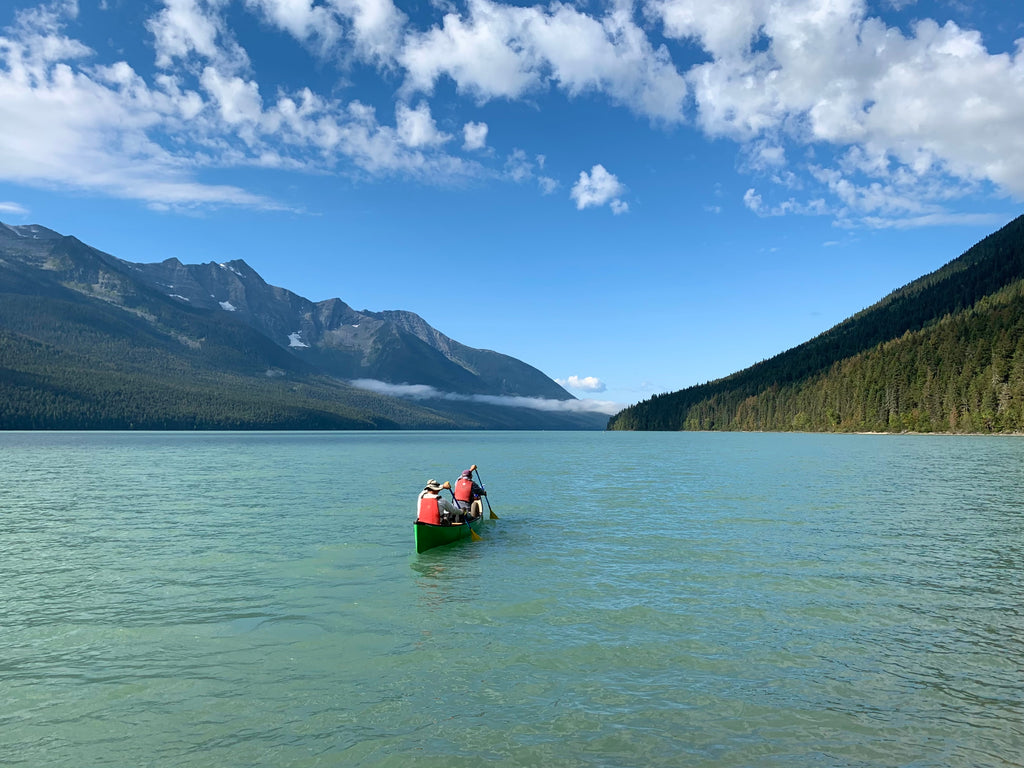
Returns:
(121,382)
(89,341)
(944,353)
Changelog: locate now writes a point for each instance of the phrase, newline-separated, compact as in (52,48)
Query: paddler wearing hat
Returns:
(433,508)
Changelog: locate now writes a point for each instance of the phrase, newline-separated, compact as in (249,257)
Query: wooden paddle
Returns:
(473,535)
(493,516)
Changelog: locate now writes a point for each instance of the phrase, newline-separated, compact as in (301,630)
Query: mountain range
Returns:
(944,353)
(88,340)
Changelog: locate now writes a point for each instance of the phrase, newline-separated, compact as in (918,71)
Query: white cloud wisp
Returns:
(426,392)
(13,208)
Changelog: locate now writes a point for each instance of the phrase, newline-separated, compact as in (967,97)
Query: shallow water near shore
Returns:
(666,599)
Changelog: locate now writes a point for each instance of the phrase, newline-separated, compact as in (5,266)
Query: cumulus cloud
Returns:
(416,127)
(426,392)
(597,188)
(302,19)
(237,100)
(474,136)
(194,28)
(506,52)
(377,27)
(583,383)
(369,29)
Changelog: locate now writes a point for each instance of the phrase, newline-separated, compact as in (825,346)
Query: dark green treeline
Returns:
(944,353)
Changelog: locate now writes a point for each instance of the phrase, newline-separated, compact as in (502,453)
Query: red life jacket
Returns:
(464,489)
(429,511)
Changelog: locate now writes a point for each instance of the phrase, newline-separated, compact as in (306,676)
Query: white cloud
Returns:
(64,122)
(88,129)
(427,392)
(355,135)
(194,27)
(934,104)
(237,100)
(518,166)
(723,28)
(754,201)
(849,116)
(583,383)
(15,208)
(371,30)
(377,27)
(476,55)
(937,219)
(597,188)
(506,52)
(302,19)
(180,29)
(46,17)
(474,136)
(417,128)
(547,185)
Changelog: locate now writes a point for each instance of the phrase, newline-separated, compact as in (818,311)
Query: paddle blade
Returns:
(494,516)
(474,535)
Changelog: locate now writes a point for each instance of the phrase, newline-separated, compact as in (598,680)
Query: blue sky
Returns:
(633,197)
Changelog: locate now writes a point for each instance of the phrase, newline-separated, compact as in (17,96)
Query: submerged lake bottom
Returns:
(644,599)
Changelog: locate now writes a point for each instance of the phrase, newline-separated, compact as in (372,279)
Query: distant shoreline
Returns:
(100,430)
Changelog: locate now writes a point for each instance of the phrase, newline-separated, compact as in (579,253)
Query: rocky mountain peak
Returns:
(394,347)
(31,231)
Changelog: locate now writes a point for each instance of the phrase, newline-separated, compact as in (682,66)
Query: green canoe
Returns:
(429,536)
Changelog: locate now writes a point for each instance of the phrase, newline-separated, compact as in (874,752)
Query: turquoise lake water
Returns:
(668,599)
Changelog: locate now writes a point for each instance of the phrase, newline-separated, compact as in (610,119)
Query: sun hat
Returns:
(432,485)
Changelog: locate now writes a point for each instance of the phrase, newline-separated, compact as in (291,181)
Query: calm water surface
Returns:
(645,600)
